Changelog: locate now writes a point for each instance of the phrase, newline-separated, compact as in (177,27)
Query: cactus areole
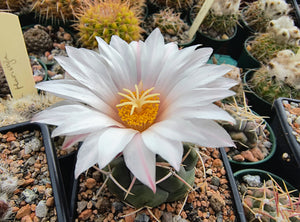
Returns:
(132,105)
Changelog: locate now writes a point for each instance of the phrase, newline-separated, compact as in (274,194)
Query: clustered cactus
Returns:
(170,24)
(104,19)
(222,17)
(281,34)
(56,10)
(268,201)
(259,13)
(171,185)
(249,133)
(279,78)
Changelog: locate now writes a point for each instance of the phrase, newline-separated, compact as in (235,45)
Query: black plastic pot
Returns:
(258,104)
(246,60)
(240,217)
(53,167)
(287,142)
(220,46)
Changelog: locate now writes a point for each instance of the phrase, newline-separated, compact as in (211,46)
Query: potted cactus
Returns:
(256,15)
(182,6)
(254,139)
(267,197)
(281,34)
(104,19)
(266,84)
(173,28)
(220,24)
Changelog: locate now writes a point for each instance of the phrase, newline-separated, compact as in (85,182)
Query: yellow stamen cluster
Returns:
(138,110)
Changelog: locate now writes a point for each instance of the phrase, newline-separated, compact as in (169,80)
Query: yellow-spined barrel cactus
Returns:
(104,19)
(279,78)
(259,13)
(178,5)
(56,10)
(171,185)
(281,34)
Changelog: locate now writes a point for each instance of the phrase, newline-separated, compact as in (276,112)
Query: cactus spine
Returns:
(171,185)
(279,78)
(63,10)
(104,19)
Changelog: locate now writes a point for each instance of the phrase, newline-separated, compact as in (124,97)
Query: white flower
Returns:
(138,99)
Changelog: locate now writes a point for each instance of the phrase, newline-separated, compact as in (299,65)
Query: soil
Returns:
(23,164)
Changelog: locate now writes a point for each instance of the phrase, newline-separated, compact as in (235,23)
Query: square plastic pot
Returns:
(53,166)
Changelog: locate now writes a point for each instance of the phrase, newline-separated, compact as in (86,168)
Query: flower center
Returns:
(138,109)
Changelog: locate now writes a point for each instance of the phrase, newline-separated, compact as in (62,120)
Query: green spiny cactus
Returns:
(279,78)
(259,13)
(250,134)
(56,10)
(270,202)
(104,19)
(170,24)
(171,185)
(177,5)
(281,34)
(222,17)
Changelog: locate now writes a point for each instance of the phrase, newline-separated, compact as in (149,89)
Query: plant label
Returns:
(14,58)
(200,17)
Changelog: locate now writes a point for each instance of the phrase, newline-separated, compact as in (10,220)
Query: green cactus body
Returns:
(270,88)
(104,19)
(265,46)
(56,10)
(178,5)
(167,190)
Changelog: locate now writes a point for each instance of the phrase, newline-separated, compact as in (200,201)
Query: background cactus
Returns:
(221,20)
(279,78)
(11,5)
(250,134)
(56,10)
(171,185)
(281,34)
(178,5)
(259,13)
(20,110)
(104,19)
(170,24)
(4,89)
(268,201)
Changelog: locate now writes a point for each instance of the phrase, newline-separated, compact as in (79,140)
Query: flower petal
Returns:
(87,155)
(209,111)
(72,140)
(170,150)
(72,90)
(140,161)
(111,142)
(199,131)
